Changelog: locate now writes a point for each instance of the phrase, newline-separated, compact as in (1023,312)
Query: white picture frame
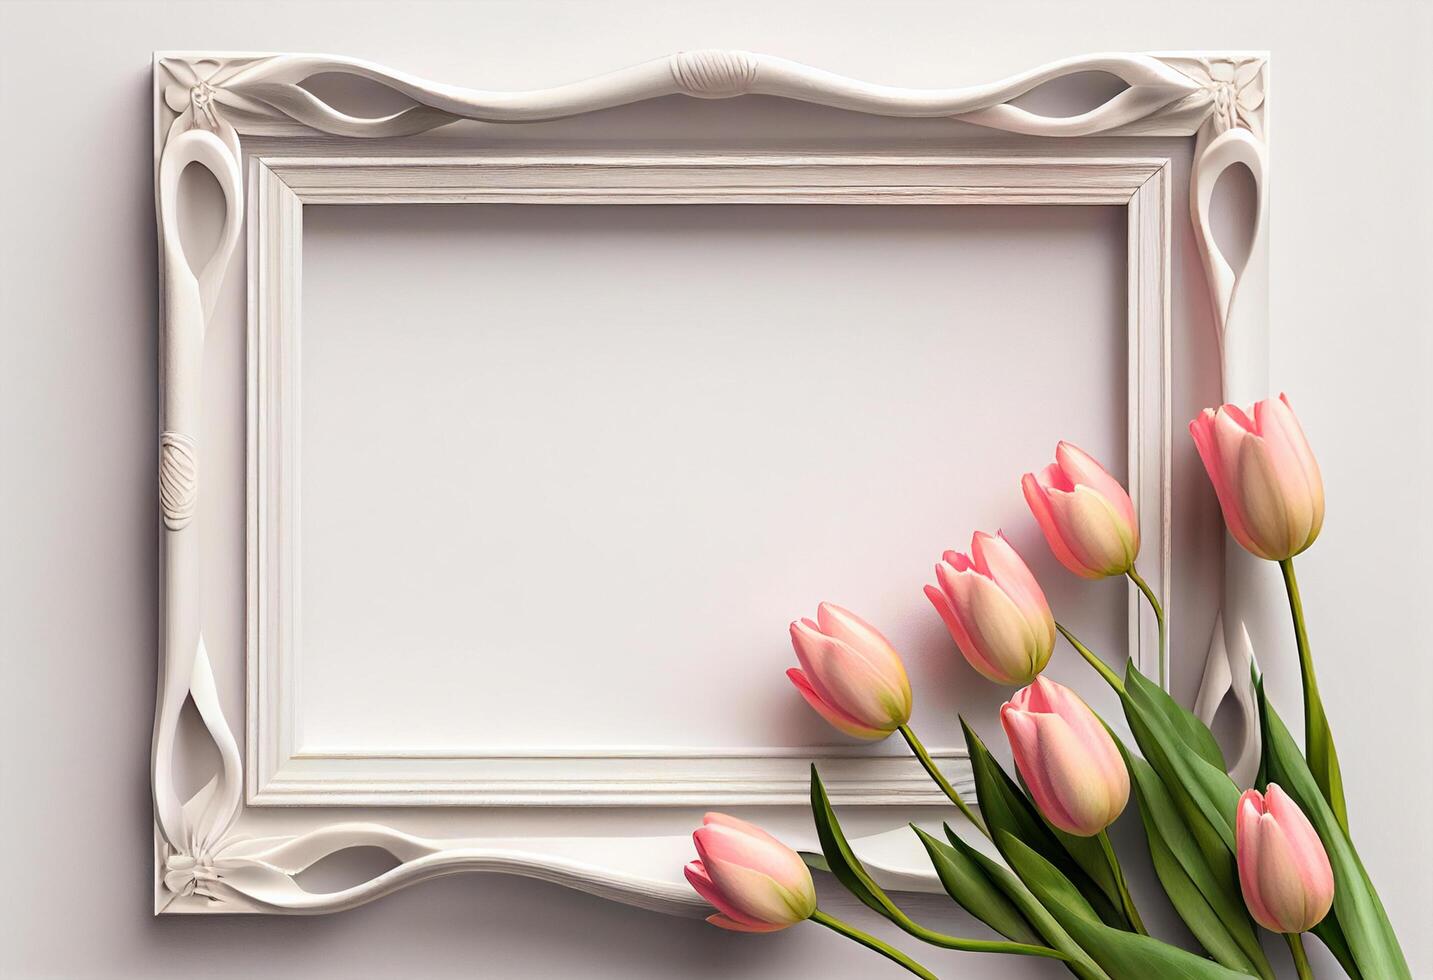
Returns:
(207,860)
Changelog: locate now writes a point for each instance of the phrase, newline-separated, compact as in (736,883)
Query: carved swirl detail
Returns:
(178,479)
(714,74)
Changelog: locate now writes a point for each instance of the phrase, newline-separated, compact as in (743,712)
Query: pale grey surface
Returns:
(629,444)
(1350,330)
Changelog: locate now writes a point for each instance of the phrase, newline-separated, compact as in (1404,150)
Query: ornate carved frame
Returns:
(203,102)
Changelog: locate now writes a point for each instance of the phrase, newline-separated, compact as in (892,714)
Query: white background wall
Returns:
(1351,322)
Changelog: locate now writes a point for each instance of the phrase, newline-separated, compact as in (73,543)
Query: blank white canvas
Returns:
(568,472)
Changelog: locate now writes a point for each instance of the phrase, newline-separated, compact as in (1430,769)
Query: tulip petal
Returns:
(703,885)
(1037,498)
(1096,536)
(957,631)
(1308,854)
(1024,735)
(1295,468)
(737,841)
(736,925)
(753,894)
(995,663)
(1001,634)
(843,677)
(1280,886)
(1251,809)
(859,635)
(1205,442)
(1080,805)
(1265,508)
(961,635)
(835,716)
(1008,570)
(1082,468)
(1066,757)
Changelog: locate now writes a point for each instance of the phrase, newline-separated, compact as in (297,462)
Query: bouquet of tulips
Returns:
(1280,857)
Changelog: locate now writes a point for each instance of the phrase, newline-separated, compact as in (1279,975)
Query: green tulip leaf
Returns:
(1363,926)
(1202,791)
(1182,722)
(1003,805)
(1087,853)
(1212,909)
(966,882)
(1122,955)
(1055,936)
(849,872)
(840,859)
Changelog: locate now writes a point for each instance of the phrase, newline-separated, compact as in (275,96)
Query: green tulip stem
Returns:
(1094,661)
(941,781)
(1134,577)
(1126,899)
(1318,739)
(871,942)
(1301,959)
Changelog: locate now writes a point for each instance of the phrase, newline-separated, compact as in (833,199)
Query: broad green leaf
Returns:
(1079,962)
(1091,858)
(1372,944)
(1184,723)
(966,882)
(1205,795)
(1332,936)
(1214,912)
(840,859)
(848,870)
(1004,805)
(1123,955)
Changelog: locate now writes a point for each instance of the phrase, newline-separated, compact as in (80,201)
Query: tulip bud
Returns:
(1264,474)
(1086,515)
(850,674)
(1067,759)
(995,610)
(757,883)
(1284,871)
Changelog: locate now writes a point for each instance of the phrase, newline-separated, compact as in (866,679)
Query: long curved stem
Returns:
(1126,899)
(871,942)
(1318,738)
(1110,676)
(1301,959)
(1134,577)
(940,780)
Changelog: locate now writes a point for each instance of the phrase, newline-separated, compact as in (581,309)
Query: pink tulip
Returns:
(1264,474)
(1283,869)
(850,674)
(995,610)
(757,883)
(1086,515)
(1066,758)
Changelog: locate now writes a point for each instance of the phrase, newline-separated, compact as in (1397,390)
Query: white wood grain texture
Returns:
(204,101)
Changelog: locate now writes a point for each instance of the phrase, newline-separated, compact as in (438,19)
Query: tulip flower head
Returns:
(757,883)
(1265,475)
(1284,871)
(995,610)
(850,674)
(1085,513)
(1067,759)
